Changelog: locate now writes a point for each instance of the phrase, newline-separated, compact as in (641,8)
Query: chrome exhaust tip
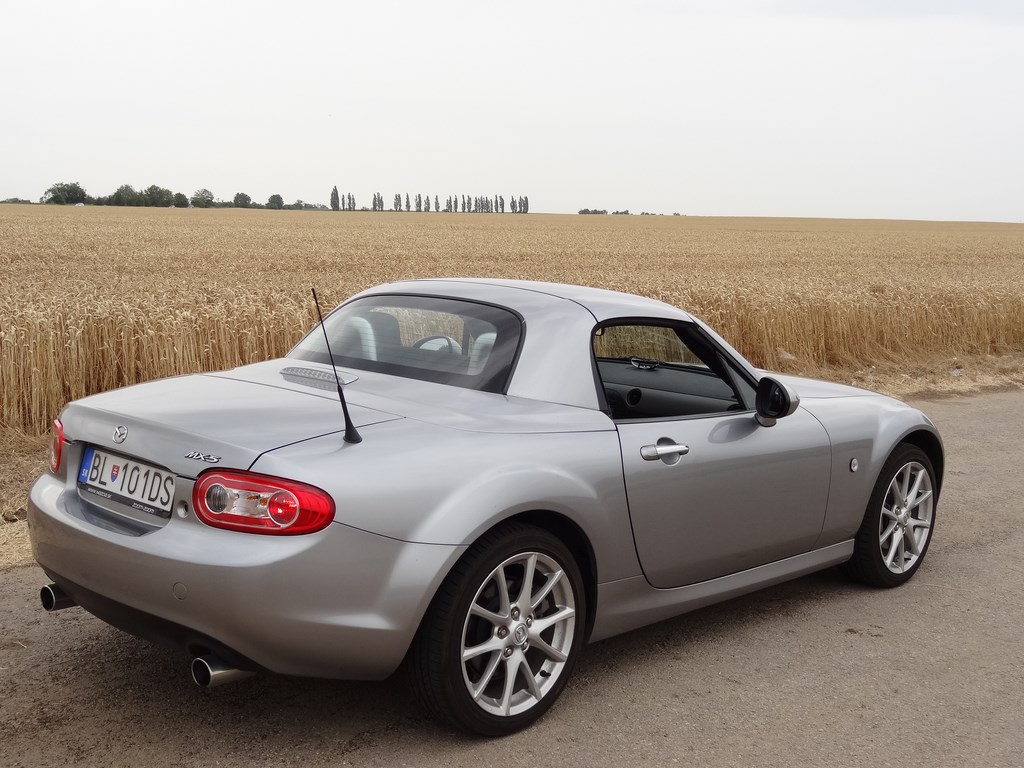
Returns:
(53,598)
(209,671)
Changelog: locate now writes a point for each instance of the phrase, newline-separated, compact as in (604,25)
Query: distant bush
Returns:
(593,211)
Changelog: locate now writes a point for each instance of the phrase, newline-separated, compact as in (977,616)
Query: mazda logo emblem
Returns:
(120,433)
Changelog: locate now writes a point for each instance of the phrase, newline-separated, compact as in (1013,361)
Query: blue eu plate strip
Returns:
(83,473)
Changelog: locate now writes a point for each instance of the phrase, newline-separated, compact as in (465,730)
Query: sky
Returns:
(849,108)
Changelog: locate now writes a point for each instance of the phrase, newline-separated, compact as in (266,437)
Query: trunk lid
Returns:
(216,415)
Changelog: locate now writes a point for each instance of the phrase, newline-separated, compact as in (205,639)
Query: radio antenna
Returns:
(351,435)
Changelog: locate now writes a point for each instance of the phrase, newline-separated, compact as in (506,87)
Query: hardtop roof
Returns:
(603,304)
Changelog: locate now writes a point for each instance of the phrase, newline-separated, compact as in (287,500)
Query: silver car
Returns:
(474,477)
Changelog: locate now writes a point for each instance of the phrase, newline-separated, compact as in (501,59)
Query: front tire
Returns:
(502,636)
(898,523)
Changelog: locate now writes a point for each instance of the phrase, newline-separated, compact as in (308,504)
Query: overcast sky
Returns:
(852,108)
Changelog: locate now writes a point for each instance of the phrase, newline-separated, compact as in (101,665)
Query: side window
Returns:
(652,371)
(651,342)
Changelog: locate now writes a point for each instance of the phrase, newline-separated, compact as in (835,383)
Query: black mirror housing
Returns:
(774,400)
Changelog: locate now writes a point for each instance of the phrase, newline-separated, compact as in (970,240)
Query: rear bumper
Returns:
(148,626)
(339,603)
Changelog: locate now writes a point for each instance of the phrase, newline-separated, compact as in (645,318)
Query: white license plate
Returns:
(128,481)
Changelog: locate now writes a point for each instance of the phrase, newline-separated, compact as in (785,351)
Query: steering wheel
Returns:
(438,343)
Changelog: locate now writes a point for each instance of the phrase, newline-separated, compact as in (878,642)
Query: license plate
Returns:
(128,481)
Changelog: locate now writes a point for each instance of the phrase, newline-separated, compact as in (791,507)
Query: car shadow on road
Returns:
(121,681)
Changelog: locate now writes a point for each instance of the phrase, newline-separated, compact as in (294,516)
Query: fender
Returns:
(459,484)
(844,418)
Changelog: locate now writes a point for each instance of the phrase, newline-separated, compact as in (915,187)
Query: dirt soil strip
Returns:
(815,672)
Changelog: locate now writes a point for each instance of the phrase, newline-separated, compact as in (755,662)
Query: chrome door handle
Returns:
(661,450)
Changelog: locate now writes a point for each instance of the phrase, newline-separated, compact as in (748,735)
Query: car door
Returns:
(726,494)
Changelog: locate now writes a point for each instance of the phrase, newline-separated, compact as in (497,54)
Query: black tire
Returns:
(913,522)
(514,637)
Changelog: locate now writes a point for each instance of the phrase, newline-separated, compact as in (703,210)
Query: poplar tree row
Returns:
(422,203)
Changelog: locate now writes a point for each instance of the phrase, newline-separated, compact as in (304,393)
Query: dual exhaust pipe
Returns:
(54,598)
(211,671)
(207,671)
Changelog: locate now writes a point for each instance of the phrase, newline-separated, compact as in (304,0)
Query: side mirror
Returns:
(773,401)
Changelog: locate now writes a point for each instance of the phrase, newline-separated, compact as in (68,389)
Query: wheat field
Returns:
(95,298)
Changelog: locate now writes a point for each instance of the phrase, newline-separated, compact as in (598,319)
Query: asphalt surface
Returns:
(812,673)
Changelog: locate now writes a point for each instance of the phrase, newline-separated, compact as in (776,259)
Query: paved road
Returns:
(817,672)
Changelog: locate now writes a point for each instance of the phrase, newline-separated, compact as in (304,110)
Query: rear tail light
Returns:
(245,501)
(56,445)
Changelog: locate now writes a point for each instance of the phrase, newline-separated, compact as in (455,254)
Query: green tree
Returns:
(126,195)
(335,200)
(180,201)
(275,202)
(201,198)
(65,194)
(242,200)
(157,197)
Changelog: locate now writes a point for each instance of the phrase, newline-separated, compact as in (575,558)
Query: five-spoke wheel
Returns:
(906,518)
(518,634)
(898,523)
(502,636)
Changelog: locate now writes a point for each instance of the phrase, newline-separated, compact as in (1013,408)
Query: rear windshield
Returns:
(448,341)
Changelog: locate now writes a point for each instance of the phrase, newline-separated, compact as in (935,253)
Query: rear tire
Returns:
(502,635)
(898,523)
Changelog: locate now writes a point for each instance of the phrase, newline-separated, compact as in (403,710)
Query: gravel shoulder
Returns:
(814,672)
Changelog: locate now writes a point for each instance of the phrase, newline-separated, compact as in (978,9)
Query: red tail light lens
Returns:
(56,445)
(245,501)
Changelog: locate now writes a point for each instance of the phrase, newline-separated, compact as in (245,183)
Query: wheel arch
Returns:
(932,446)
(569,533)
(579,545)
(428,660)
(869,562)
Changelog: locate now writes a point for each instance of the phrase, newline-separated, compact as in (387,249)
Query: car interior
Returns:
(660,371)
